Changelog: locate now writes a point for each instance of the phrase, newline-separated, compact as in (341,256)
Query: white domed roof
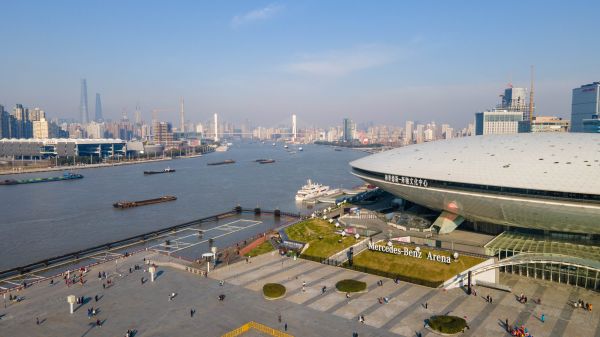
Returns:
(565,162)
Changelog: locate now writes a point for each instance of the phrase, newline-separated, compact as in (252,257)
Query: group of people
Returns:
(383,300)
(522,299)
(585,305)
(361,318)
(520,331)
(80,300)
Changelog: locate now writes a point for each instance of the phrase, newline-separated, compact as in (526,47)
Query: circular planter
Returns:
(273,291)
(351,286)
(447,325)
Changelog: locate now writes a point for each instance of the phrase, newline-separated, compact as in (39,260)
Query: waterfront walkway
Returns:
(129,304)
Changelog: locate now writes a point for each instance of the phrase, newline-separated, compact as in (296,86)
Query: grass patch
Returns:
(263,248)
(321,237)
(273,290)
(350,286)
(447,324)
(416,270)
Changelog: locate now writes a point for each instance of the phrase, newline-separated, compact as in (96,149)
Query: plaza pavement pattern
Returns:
(128,304)
(405,314)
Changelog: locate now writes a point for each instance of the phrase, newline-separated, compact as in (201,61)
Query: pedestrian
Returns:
(221,283)
(543,318)
(98,323)
(491,300)
(506,325)
(426,305)
(279,318)
(52,282)
(192,311)
(285,327)
(103,285)
(347,295)
(37,321)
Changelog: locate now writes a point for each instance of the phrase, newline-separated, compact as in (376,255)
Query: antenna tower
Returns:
(531,98)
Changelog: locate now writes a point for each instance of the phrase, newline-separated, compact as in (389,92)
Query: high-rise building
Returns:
(4,123)
(98,112)
(349,130)
(585,106)
(408,132)
(162,133)
(41,129)
(497,122)
(36,114)
(514,99)
(84,117)
(22,127)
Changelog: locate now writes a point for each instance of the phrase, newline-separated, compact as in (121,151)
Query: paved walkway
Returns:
(146,308)
(406,312)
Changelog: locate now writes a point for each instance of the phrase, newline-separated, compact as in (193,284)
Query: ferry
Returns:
(65,176)
(311,190)
(167,170)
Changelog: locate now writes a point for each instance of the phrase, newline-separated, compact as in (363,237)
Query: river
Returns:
(41,220)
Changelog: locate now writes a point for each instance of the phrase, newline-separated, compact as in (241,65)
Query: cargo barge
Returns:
(167,170)
(128,204)
(65,176)
(224,162)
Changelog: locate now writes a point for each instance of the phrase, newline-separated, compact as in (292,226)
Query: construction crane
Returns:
(531,102)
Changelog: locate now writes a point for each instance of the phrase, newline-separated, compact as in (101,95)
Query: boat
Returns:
(228,161)
(311,190)
(65,176)
(222,148)
(274,144)
(300,148)
(337,149)
(167,170)
(266,161)
(285,146)
(129,204)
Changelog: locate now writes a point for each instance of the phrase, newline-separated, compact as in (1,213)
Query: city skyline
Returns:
(386,69)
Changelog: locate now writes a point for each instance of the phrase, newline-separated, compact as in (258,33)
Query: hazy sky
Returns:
(385,61)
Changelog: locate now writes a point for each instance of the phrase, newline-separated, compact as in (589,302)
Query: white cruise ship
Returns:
(311,190)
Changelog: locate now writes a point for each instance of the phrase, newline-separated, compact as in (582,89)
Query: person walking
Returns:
(285,327)
(279,318)
(425,305)
(192,312)
(506,325)
(96,298)
(543,318)
(37,321)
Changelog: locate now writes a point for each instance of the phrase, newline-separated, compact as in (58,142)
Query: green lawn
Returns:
(415,268)
(321,237)
(263,248)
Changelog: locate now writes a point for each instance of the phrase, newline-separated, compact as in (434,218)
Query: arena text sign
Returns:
(409,252)
(406,180)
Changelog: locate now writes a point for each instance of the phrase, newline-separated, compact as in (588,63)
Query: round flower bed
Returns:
(447,324)
(350,286)
(273,291)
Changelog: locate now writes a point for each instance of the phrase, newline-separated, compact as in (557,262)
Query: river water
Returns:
(38,221)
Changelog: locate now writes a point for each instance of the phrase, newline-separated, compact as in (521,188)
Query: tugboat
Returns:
(167,170)
(65,176)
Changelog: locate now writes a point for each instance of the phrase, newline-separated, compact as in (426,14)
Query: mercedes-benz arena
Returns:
(540,181)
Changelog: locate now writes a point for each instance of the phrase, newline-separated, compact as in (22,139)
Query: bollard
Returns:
(152,270)
(71,300)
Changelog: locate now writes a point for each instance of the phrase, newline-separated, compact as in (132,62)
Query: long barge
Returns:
(65,176)
(224,162)
(167,170)
(129,204)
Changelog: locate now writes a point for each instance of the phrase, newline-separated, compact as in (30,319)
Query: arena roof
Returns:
(566,162)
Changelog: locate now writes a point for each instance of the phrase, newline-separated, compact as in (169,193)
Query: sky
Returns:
(379,61)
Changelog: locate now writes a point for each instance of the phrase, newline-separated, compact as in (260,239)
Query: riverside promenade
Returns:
(146,308)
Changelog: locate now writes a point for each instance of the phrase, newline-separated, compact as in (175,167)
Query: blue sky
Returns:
(381,61)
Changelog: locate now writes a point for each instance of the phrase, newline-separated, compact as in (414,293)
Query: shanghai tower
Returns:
(98,109)
(84,117)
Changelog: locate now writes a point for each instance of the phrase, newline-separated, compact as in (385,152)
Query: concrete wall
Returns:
(462,279)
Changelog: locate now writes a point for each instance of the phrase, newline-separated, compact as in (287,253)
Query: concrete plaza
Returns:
(128,304)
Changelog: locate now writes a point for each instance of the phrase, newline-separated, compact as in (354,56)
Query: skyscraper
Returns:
(408,132)
(84,117)
(98,111)
(585,106)
(349,130)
